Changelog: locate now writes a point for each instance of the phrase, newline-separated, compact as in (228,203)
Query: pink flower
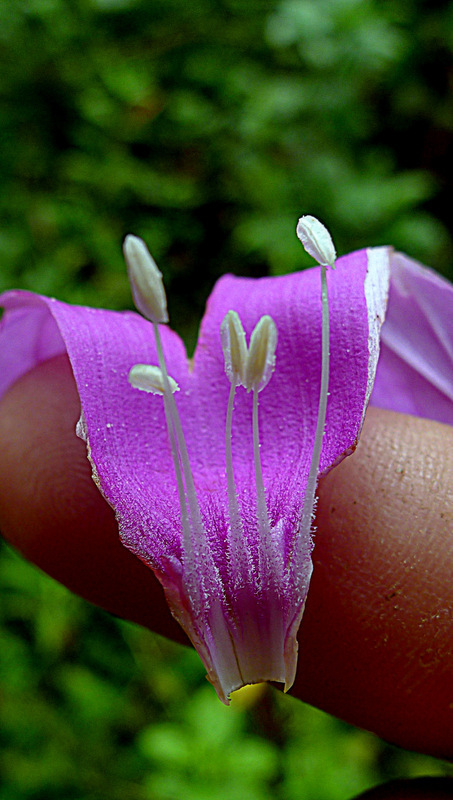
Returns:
(415,371)
(215,513)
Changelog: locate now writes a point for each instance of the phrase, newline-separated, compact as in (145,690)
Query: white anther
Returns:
(234,347)
(317,241)
(150,379)
(261,355)
(145,280)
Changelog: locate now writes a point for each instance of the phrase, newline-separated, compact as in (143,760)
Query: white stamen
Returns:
(187,533)
(234,347)
(261,355)
(253,369)
(149,297)
(260,366)
(235,354)
(309,501)
(317,240)
(150,379)
(145,280)
(236,540)
(199,548)
(265,551)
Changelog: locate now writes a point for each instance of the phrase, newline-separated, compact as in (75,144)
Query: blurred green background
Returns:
(207,128)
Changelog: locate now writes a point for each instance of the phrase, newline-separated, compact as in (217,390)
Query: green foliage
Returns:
(207,127)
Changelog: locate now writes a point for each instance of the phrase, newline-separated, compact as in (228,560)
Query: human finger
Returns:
(377,634)
(376,643)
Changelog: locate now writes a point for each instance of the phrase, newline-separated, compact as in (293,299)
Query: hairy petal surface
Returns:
(242,617)
(415,372)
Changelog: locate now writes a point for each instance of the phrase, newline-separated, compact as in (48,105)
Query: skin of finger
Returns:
(376,643)
(377,636)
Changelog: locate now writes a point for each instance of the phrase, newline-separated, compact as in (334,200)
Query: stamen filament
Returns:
(150,298)
(253,369)
(261,507)
(233,504)
(179,479)
(309,502)
(197,524)
(239,554)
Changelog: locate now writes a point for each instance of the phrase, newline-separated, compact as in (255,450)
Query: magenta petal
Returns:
(31,336)
(122,424)
(241,612)
(415,372)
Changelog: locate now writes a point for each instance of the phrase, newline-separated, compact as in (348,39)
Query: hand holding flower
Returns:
(376,637)
(346,586)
